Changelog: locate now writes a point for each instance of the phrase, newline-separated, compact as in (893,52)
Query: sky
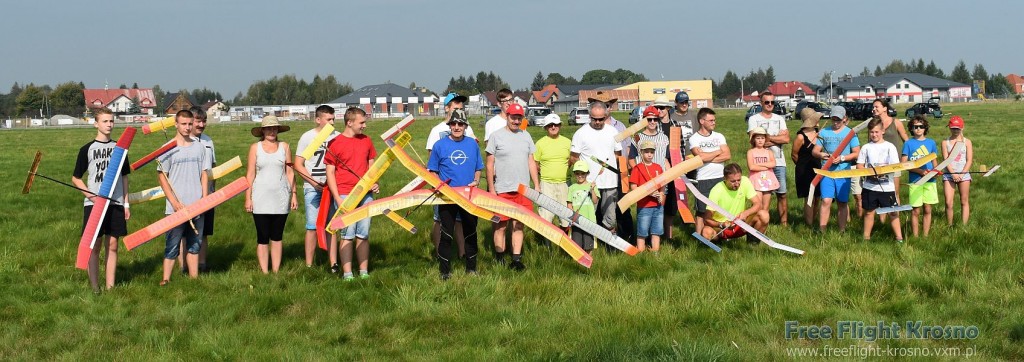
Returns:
(227,45)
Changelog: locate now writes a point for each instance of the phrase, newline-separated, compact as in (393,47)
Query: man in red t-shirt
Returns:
(348,157)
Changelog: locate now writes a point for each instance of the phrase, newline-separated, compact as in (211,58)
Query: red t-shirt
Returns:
(640,175)
(355,154)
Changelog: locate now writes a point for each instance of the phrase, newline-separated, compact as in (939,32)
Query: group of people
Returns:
(511,157)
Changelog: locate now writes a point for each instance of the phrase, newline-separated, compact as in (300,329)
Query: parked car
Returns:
(636,114)
(756,108)
(931,107)
(535,115)
(817,107)
(579,115)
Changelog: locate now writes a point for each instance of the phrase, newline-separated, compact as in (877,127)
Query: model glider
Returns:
(675,155)
(153,155)
(874,171)
(749,229)
(158,125)
(186,213)
(631,130)
(673,173)
(156,193)
(99,207)
(959,149)
(318,141)
(33,172)
(831,158)
(565,213)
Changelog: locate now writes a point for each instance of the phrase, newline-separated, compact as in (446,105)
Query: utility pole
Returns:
(831,96)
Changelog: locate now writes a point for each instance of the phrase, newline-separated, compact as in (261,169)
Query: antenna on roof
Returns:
(106,85)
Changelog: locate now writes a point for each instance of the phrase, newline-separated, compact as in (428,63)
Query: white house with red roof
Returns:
(120,100)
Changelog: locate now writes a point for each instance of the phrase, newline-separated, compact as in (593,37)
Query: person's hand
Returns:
(375,188)
(295,203)
(177,206)
(127,213)
(248,205)
(318,188)
(957,177)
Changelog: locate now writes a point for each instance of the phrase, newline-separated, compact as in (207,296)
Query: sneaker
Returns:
(364,276)
(517,266)
(446,276)
(335,268)
(349,278)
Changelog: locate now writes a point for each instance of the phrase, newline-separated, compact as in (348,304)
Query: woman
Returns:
(805,161)
(270,182)
(892,131)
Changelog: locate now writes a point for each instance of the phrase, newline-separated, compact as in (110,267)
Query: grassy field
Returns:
(687,302)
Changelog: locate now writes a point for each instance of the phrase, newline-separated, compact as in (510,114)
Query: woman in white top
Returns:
(270,183)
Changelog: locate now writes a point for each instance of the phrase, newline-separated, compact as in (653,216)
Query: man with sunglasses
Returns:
(452,102)
(552,158)
(778,135)
(457,159)
(499,120)
(597,140)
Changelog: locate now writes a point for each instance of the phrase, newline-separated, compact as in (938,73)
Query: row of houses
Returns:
(900,87)
(121,101)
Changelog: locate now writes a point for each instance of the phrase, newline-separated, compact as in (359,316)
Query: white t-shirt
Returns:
(711,143)
(493,124)
(211,154)
(587,142)
(442,130)
(314,165)
(774,125)
(874,155)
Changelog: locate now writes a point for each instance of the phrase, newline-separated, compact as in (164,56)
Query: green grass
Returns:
(685,303)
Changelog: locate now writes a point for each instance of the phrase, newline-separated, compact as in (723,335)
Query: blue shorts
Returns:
(361,229)
(650,221)
(780,173)
(192,239)
(837,189)
(312,198)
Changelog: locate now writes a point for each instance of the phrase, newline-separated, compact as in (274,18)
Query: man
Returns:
(349,156)
(184,178)
(606,99)
(598,140)
(457,159)
(778,135)
(552,158)
(835,189)
(710,146)
(452,102)
(198,128)
(317,170)
(683,119)
(510,162)
(499,120)
(624,219)
(732,195)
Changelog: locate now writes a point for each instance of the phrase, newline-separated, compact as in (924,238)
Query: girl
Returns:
(761,162)
(805,161)
(925,195)
(956,176)
(270,182)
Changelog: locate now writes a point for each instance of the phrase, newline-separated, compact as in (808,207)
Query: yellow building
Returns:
(698,90)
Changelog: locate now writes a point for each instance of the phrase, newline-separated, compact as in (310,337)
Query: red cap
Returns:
(956,122)
(515,108)
(651,111)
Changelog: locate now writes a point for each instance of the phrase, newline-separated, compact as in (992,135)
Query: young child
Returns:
(925,195)
(761,162)
(956,176)
(878,191)
(582,199)
(650,216)
(94,158)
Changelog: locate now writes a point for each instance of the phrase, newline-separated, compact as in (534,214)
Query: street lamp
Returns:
(831,96)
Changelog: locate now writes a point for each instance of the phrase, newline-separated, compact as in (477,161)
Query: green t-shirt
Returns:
(733,201)
(553,156)
(579,194)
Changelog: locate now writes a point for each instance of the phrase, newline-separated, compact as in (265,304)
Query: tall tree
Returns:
(979,73)
(895,66)
(135,85)
(68,98)
(729,86)
(825,79)
(30,101)
(998,84)
(158,98)
(865,73)
(538,82)
(878,71)
(960,73)
(933,70)
(920,67)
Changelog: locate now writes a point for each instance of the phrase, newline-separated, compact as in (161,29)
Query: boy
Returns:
(650,218)
(837,189)
(879,190)
(315,168)
(582,200)
(928,194)
(184,176)
(349,156)
(94,158)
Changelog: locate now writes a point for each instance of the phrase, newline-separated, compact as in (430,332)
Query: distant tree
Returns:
(30,101)
(865,73)
(480,83)
(134,107)
(960,73)
(729,86)
(979,73)
(878,71)
(998,84)
(158,98)
(412,85)
(68,98)
(122,86)
(597,76)
(825,79)
(920,67)
(205,95)
(933,70)
(895,66)
(135,85)
(538,82)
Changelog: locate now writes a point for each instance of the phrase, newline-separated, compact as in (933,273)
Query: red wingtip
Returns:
(632,250)
(522,189)
(585,260)
(126,138)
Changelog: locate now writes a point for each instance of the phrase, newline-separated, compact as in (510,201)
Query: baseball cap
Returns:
(838,111)
(651,111)
(458,116)
(454,97)
(581,166)
(515,109)
(682,97)
(956,122)
(647,145)
(552,118)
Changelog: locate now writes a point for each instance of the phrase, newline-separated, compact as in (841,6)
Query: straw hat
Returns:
(603,97)
(757,131)
(662,101)
(811,118)
(269,121)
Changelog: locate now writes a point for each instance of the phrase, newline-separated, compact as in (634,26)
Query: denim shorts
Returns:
(780,173)
(361,229)
(650,221)
(192,239)
(312,198)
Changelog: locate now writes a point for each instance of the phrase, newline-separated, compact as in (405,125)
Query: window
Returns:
(625,106)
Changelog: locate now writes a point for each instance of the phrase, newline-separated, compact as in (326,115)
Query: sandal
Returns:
(164,282)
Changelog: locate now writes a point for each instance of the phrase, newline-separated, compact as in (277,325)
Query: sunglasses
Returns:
(918,126)
(653,119)
(552,125)
(504,100)
(595,119)
(661,108)
(768,103)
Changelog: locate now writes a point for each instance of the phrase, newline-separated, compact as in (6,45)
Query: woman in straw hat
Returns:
(270,183)
(805,160)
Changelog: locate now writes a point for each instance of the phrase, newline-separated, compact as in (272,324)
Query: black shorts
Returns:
(872,200)
(208,222)
(269,227)
(113,223)
(704,186)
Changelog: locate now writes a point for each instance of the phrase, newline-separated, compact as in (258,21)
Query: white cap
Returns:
(552,118)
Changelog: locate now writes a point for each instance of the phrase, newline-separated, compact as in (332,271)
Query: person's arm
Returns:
(476,179)
(290,174)
(724,154)
(752,164)
(250,175)
(779,139)
(165,184)
(709,219)
(901,130)
(573,157)
(490,174)
(797,145)
(332,184)
(705,156)
(204,180)
(300,166)
(534,173)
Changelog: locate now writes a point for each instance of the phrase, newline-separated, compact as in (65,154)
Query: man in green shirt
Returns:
(552,157)
(732,195)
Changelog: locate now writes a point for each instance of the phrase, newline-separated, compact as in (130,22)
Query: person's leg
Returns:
(111,269)
(460,236)
(708,233)
(869,222)
(949,192)
(781,203)
(276,236)
(172,247)
(657,228)
(915,226)
(499,241)
(263,255)
(643,226)
(965,201)
(894,222)
(826,210)
(94,265)
(192,240)
(206,233)
(517,240)
(927,220)
(346,256)
(469,221)
(446,216)
(181,257)
(312,207)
